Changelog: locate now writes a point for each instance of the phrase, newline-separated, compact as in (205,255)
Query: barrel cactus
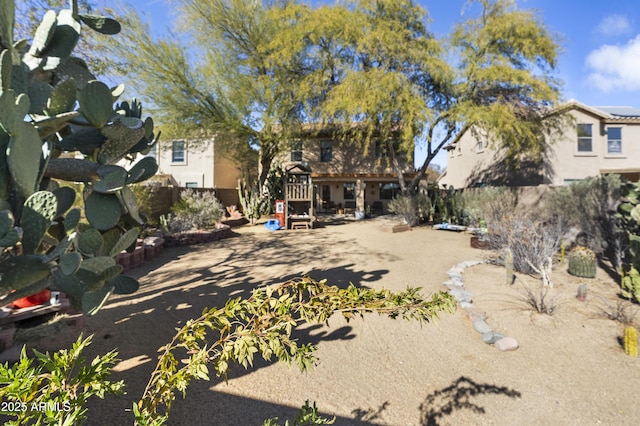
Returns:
(59,123)
(582,262)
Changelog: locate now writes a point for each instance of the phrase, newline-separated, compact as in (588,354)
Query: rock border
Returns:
(455,285)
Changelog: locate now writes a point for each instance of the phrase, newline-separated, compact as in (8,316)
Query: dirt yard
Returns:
(569,370)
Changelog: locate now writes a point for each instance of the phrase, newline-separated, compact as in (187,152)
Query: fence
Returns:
(166,196)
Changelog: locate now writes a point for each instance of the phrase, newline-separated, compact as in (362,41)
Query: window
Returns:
(349,191)
(296,150)
(480,146)
(326,151)
(585,143)
(191,185)
(177,152)
(389,190)
(614,140)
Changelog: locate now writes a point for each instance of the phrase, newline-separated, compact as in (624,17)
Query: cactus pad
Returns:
(124,284)
(24,152)
(103,210)
(5,70)
(90,241)
(10,238)
(70,263)
(43,34)
(71,220)
(112,179)
(63,97)
(96,103)
(6,221)
(101,24)
(93,301)
(143,170)
(39,211)
(22,271)
(124,242)
(66,197)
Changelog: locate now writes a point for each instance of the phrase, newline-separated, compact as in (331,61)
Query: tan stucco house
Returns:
(598,140)
(344,175)
(196,164)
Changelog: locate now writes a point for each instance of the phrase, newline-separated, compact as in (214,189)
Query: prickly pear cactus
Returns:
(631,341)
(582,262)
(44,244)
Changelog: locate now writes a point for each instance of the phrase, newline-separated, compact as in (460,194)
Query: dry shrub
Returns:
(533,244)
(542,299)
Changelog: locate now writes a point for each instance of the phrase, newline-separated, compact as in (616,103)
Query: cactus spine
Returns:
(582,262)
(631,341)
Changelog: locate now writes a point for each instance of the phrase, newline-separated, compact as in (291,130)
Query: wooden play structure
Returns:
(299,211)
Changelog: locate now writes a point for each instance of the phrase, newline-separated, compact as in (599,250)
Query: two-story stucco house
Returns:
(196,164)
(344,175)
(598,140)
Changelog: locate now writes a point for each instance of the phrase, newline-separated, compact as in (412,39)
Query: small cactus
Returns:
(631,284)
(508,263)
(582,293)
(582,262)
(631,341)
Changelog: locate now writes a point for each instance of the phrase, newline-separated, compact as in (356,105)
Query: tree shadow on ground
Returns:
(370,415)
(458,396)
(183,281)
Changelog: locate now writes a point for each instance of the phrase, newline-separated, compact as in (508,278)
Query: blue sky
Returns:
(599,62)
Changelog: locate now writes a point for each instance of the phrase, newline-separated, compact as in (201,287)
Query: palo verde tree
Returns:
(227,82)
(493,75)
(50,104)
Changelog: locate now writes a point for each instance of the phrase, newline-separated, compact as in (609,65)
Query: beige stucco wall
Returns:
(563,163)
(200,166)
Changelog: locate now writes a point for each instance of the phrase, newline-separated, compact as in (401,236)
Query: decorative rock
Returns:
(454,282)
(461,295)
(491,337)
(454,276)
(474,315)
(467,305)
(453,287)
(470,263)
(455,270)
(506,344)
(481,326)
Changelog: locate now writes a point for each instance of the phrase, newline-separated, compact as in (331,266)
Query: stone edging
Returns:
(455,284)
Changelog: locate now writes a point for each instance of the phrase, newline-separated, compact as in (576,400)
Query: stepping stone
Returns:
(506,344)
(481,326)
(491,337)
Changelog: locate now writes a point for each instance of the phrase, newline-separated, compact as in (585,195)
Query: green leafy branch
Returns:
(263,324)
(55,389)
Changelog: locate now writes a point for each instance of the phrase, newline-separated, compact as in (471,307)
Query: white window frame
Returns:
(175,159)
(619,141)
(584,138)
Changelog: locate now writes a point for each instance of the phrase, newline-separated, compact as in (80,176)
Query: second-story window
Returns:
(614,140)
(326,151)
(296,150)
(585,141)
(178,151)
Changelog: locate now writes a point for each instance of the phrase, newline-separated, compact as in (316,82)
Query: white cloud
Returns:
(614,25)
(615,67)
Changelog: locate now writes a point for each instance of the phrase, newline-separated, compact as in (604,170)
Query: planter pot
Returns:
(476,242)
(34,300)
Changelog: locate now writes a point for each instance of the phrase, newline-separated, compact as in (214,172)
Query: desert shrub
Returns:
(53,389)
(623,311)
(533,244)
(195,210)
(307,416)
(540,299)
(488,204)
(589,207)
(410,208)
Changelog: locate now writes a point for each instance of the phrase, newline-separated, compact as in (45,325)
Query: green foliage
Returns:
(308,416)
(54,388)
(411,208)
(196,210)
(589,206)
(488,204)
(631,284)
(39,89)
(253,205)
(262,325)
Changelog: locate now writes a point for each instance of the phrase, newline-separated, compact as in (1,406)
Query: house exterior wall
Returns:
(200,166)
(472,161)
(348,179)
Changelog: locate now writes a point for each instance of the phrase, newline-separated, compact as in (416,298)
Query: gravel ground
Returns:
(568,370)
